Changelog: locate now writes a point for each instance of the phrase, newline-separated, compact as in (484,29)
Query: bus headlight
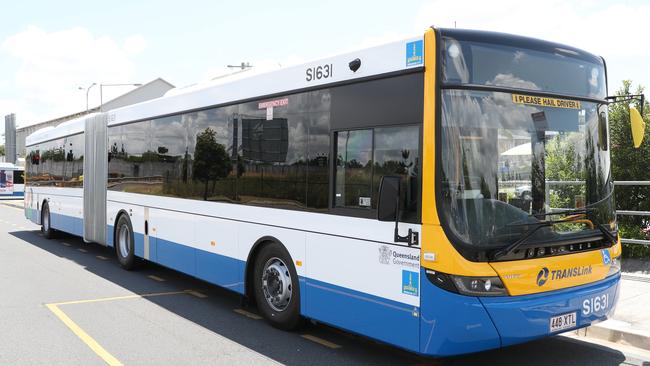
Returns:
(615,266)
(479,286)
(470,286)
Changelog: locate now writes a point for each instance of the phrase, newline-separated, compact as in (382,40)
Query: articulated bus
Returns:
(445,194)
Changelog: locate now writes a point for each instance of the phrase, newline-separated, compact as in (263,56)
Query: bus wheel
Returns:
(124,243)
(277,291)
(46,222)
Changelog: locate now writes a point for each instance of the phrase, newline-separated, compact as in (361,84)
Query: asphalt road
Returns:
(64,302)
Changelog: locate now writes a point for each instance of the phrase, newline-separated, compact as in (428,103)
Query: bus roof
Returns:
(66,128)
(10,166)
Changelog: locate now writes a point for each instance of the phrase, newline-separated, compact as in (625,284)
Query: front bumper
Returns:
(523,318)
(454,324)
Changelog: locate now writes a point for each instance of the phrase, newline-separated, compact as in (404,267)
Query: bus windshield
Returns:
(507,163)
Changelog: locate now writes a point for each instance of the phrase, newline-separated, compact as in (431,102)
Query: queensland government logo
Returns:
(384,254)
(542,276)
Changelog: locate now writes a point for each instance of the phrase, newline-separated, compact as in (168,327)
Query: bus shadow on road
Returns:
(220,311)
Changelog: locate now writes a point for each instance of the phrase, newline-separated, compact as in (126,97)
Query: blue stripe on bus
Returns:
(211,267)
(69,224)
(377,317)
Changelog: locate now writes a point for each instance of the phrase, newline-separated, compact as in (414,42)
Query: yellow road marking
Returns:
(82,250)
(88,340)
(197,294)
(14,207)
(101,257)
(321,341)
(247,314)
(156,278)
(120,298)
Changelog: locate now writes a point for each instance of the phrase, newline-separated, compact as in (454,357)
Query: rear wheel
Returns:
(124,243)
(46,222)
(277,291)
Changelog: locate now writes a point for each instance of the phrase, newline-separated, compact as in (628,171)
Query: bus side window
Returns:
(353,187)
(364,156)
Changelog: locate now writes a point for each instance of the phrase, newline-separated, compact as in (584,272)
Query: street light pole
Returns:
(88,90)
(101,96)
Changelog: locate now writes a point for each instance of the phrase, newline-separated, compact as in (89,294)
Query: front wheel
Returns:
(46,222)
(124,243)
(277,291)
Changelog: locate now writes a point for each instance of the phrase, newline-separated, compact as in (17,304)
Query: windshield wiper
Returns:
(516,244)
(607,234)
(538,225)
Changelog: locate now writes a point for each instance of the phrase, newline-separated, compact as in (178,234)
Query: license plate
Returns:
(562,322)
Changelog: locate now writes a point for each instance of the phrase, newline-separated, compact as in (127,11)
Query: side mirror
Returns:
(638,126)
(388,204)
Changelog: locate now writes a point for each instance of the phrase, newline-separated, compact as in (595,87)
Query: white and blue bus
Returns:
(12,182)
(374,191)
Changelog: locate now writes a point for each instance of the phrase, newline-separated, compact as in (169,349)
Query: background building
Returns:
(151,90)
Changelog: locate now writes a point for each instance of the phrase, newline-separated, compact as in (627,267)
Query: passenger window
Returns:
(365,156)
(353,169)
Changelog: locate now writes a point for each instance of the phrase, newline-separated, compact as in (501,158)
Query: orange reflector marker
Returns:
(299,263)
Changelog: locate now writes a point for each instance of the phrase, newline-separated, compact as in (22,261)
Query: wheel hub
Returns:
(276,284)
(124,241)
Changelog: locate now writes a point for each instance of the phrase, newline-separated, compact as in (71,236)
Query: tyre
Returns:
(124,243)
(46,222)
(277,291)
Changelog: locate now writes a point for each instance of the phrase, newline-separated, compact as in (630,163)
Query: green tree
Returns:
(211,161)
(629,163)
(2,150)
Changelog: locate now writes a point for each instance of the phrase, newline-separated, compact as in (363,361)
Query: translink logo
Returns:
(542,276)
(558,274)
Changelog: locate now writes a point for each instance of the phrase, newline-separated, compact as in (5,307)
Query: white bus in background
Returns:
(12,180)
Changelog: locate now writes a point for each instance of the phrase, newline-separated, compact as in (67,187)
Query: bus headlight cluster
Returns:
(615,266)
(479,286)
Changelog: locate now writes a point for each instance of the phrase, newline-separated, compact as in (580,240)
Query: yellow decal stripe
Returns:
(429,212)
(434,240)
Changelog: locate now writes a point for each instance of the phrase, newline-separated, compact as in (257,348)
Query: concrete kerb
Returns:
(617,331)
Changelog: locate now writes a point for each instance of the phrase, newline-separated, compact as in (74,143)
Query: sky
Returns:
(50,51)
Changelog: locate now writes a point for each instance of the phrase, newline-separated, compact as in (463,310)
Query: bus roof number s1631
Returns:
(319,72)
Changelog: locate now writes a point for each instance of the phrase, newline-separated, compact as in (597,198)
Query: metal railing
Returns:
(633,213)
(514,183)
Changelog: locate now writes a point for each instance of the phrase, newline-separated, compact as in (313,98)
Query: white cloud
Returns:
(54,64)
(135,44)
(614,31)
